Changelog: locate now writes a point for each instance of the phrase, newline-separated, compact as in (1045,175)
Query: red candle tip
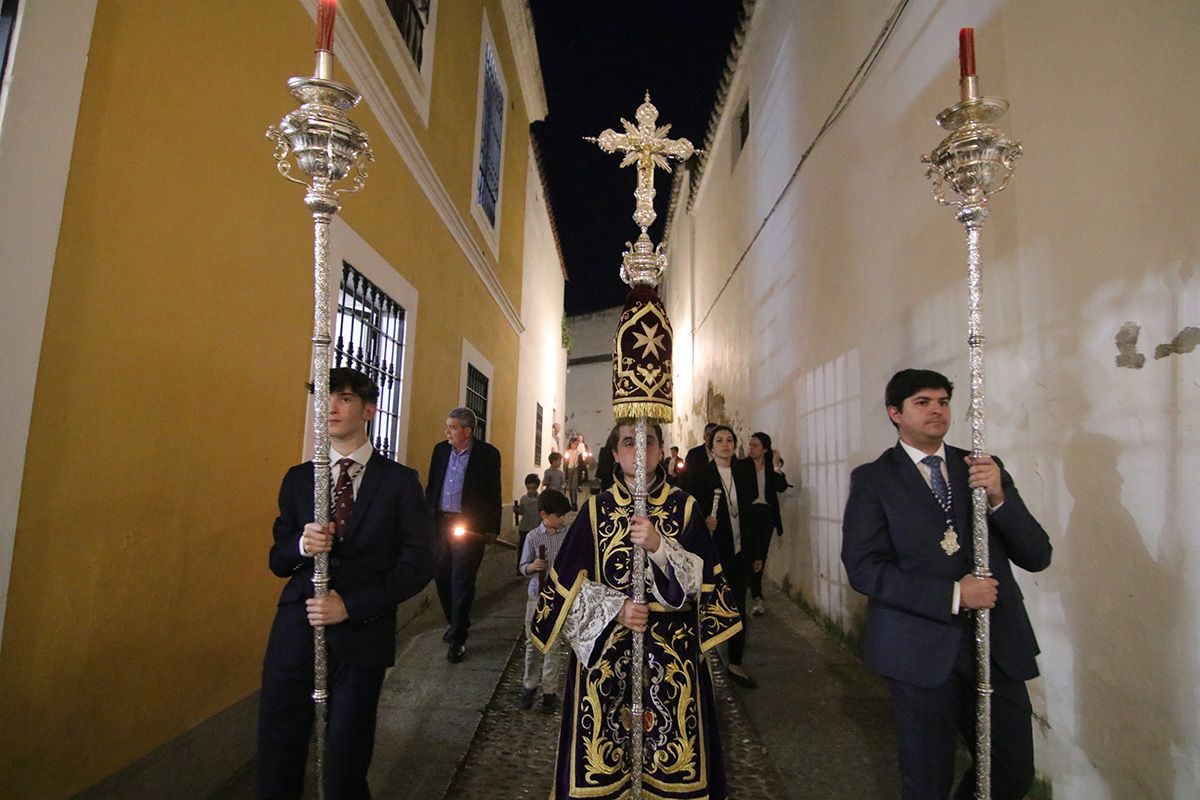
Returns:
(966,52)
(326,12)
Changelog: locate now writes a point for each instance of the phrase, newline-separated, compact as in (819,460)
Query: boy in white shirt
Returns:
(541,547)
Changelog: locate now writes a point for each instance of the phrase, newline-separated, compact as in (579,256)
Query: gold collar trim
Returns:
(657,497)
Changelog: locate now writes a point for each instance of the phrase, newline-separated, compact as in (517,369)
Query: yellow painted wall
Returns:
(169,397)
(449,139)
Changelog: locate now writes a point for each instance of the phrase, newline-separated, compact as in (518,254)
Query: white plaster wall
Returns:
(858,273)
(542,370)
(39,106)
(589,386)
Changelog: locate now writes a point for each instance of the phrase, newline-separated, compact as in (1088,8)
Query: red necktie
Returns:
(343,498)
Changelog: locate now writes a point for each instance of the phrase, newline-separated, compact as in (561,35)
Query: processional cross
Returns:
(642,381)
(646,145)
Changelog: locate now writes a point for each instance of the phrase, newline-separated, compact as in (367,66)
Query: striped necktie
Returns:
(938,483)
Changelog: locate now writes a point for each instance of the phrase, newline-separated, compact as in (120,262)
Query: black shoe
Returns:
(549,703)
(744,681)
(527,696)
(456,652)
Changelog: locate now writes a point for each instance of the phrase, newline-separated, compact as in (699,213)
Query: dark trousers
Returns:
(929,720)
(737,572)
(285,725)
(761,518)
(521,547)
(457,565)
(573,487)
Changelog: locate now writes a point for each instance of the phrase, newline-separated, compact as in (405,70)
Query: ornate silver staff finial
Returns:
(976,160)
(643,264)
(327,146)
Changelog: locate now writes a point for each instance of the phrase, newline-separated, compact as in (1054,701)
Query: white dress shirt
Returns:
(730,489)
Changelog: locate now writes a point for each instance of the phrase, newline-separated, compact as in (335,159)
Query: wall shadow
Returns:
(1123,674)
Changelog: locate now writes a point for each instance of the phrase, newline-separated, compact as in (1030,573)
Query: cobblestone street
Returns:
(512,755)
(817,726)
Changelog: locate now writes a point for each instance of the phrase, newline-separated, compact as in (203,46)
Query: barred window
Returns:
(477,399)
(487,187)
(411,17)
(8,18)
(537,438)
(369,336)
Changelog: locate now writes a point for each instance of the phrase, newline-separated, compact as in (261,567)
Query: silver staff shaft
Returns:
(638,645)
(979,507)
(319,200)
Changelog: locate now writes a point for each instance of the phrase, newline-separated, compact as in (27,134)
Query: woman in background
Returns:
(731,532)
(765,518)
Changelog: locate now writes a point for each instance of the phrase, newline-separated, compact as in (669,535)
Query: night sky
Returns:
(598,60)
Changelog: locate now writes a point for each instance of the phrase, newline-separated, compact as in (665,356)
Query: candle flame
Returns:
(460,531)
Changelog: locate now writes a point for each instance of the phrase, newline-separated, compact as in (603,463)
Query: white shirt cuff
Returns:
(956,603)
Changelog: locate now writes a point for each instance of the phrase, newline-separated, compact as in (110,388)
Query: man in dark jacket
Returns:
(696,460)
(907,545)
(464,491)
(380,553)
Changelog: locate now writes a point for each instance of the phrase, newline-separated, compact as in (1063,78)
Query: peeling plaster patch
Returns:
(1127,354)
(712,407)
(1184,342)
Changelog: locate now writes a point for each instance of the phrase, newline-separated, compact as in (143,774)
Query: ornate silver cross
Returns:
(646,145)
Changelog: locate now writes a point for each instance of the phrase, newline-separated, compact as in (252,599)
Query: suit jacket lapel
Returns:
(366,492)
(443,464)
(914,482)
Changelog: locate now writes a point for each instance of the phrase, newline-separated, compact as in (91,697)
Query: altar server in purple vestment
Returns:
(688,612)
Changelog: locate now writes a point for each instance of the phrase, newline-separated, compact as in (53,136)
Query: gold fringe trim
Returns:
(658,411)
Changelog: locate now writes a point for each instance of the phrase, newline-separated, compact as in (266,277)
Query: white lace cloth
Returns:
(596,604)
(688,568)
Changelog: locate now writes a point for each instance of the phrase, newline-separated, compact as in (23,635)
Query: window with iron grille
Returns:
(477,399)
(487,186)
(8,18)
(537,438)
(411,17)
(369,336)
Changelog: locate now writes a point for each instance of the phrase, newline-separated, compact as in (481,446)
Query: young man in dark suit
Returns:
(380,546)
(464,491)
(907,545)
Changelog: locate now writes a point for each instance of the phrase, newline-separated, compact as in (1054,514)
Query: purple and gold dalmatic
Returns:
(682,749)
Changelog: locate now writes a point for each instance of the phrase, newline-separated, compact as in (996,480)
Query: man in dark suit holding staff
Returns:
(907,545)
(380,553)
(464,491)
